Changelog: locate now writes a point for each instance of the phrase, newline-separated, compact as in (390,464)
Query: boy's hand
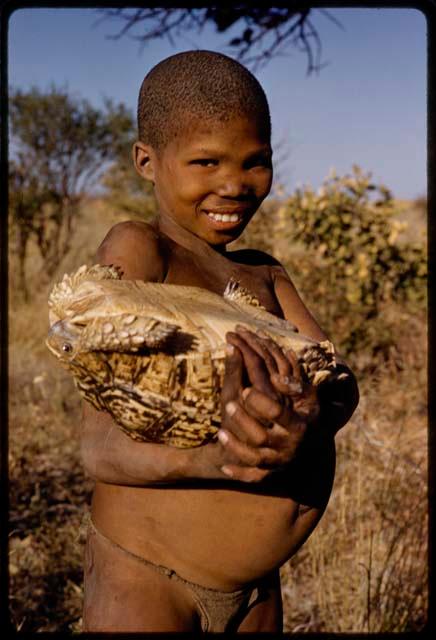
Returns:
(262,424)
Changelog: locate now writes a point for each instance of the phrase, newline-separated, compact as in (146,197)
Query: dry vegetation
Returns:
(364,568)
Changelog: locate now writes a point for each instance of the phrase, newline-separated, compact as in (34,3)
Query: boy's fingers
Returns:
(245,454)
(263,343)
(307,405)
(293,415)
(246,427)
(282,449)
(234,370)
(264,408)
(260,346)
(287,385)
(255,364)
(277,361)
(304,397)
(244,474)
(284,366)
(293,360)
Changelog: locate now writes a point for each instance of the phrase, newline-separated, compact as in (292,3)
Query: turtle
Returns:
(153,354)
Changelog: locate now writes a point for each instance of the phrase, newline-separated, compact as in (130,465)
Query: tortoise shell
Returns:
(153,355)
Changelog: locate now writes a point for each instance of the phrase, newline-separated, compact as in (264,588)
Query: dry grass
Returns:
(49,493)
(363,569)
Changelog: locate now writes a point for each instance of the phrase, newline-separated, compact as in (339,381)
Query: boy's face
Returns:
(211,178)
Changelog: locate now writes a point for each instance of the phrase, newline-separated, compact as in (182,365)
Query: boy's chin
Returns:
(221,240)
(221,237)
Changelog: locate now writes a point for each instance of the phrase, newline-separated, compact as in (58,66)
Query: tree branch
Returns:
(270,29)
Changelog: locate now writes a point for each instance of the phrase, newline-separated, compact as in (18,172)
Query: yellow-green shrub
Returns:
(350,223)
(351,261)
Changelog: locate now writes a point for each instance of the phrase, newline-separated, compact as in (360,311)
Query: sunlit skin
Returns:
(231,512)
(218,168)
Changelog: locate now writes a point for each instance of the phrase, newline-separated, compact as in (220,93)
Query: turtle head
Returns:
(63,340)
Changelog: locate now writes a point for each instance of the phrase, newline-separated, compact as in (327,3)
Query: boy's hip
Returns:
(217,610)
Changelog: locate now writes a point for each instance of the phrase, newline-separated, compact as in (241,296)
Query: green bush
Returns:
(126,191)
(59,146)
(350,224)
(351,261)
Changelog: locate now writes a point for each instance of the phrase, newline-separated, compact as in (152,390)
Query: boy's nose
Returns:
(233,186)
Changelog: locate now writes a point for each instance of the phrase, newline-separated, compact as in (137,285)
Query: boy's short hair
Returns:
(197,84)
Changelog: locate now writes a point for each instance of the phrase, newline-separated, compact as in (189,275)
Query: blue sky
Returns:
(366,107)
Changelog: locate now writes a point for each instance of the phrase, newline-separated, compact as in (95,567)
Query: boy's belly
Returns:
(219,538)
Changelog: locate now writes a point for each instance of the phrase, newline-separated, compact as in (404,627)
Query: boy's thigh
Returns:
(266,614)
(124,595)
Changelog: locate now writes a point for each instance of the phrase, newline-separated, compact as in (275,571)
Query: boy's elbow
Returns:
(339,400)
(100,468)
(349,397)
(98,451)
(96,457)
(112,457)
(92,461)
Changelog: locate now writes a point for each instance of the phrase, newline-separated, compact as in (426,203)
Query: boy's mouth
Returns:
(226,218)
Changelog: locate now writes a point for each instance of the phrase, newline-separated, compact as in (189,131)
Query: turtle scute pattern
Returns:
(153,355)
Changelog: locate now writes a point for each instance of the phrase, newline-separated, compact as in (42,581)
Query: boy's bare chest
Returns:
(186,268)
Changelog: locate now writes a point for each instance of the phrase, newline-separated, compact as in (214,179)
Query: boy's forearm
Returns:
(111,456)
(125,462)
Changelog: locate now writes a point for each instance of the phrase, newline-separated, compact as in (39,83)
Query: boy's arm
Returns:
(252,451)
(308,424)
(111,456)
(338,401)
(108,454)
(292,305)
(135,248)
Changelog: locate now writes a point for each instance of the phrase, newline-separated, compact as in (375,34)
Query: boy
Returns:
(186,540)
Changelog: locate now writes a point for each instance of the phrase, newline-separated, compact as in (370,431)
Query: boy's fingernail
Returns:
(227,471)
(230,349)
(262,334)
(295,387)
(231,408)
(241,327)
(223,437)
(246,392)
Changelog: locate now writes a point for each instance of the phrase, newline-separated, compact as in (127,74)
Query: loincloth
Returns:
(219,611)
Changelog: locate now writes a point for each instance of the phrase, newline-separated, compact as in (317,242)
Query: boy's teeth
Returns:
(225,217)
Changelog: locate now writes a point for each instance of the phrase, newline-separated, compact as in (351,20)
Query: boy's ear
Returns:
(143,159)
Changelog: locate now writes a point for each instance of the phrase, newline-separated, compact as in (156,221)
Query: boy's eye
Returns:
(205,162)
(259,161)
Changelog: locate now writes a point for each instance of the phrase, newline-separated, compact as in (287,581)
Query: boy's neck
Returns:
(187,239)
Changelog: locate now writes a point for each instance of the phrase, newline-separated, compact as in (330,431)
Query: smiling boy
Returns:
(186,540)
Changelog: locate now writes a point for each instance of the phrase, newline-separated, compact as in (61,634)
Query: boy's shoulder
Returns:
(135,247)
(129,230)
(257,258)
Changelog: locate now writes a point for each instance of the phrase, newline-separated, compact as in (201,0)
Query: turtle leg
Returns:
(126,333)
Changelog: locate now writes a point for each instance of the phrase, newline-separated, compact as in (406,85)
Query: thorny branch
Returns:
(262,32)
